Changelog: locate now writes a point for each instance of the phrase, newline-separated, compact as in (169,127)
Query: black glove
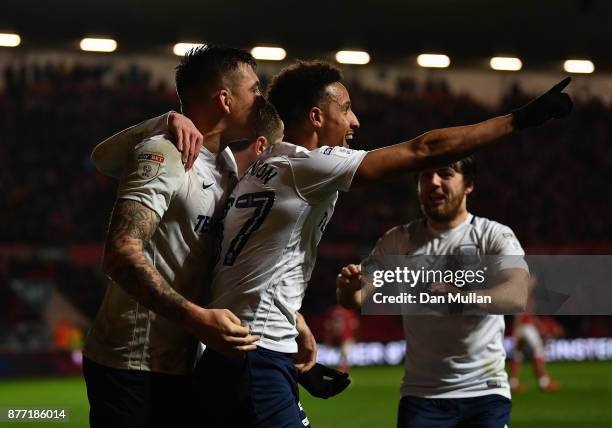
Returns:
(324,382)
(553,104)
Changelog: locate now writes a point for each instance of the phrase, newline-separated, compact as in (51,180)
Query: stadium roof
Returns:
(546,30)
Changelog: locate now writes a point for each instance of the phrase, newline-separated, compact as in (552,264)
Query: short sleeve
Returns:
(325,170)
(110,156)
(153,175)
(503,243)
(391,243)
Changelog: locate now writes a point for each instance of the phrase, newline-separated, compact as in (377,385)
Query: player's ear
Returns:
(224,100)
(469,187)
(261,144)
(315,116)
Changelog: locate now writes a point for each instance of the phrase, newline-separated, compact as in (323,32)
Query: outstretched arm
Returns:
(443,146)
(132,226)
(432,149)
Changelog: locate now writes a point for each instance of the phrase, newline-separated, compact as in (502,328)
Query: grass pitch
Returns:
(585,399)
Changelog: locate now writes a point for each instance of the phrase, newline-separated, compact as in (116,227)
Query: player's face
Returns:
(339,121)
(246,97)
(443,193)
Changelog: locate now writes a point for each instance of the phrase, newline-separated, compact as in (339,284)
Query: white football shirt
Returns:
(454,356)
(275,220)
(125,334)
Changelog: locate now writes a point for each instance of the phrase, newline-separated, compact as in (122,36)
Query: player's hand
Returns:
(306,356)
(349,278)
(554,104)
(188,139)
(442,288)
(324,382)
(222,331)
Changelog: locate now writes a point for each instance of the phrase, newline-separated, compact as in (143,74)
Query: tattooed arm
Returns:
(132,226)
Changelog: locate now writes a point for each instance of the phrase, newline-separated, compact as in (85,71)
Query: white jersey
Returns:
(454,356)
(276,217)
(126,335)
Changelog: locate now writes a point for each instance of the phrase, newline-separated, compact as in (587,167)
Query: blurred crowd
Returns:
(551,184)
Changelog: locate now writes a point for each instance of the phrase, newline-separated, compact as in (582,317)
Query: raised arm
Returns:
(132,226)
(348,287)
(443,146)
(110,155)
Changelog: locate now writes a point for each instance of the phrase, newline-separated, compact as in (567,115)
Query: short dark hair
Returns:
(207,64)
(267,124)
(299,87)
(268,121)
(467,167)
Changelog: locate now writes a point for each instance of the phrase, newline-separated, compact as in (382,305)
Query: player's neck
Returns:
(302,138)
(442,226)
(243,161)
(213,142)
(211,128)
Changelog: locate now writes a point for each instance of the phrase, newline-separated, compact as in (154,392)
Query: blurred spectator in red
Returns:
(340,327)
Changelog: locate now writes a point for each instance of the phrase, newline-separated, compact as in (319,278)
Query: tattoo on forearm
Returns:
(132,225)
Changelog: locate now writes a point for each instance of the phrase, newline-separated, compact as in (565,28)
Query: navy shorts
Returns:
(487,411)
(257,390)
(136,399)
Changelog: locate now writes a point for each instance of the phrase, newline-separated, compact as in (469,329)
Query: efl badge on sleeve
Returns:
(342,152)
(513,241)
(149,165)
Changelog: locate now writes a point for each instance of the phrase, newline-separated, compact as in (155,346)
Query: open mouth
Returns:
(437,199)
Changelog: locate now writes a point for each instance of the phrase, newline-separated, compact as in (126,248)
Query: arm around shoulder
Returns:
(111,155)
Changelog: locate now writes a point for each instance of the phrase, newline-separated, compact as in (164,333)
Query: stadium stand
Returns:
(56,206)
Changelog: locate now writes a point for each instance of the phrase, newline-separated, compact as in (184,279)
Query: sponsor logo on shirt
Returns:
(154,157)
(205,223)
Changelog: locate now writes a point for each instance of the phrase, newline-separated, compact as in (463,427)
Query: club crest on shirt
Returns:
(468,254)
(149,165)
